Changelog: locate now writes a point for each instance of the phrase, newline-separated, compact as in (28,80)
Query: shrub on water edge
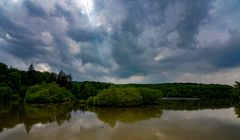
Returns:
(128,96)
(48,93)
(92,100)
(150,96)
(6,93)
(38,97)
(117,97)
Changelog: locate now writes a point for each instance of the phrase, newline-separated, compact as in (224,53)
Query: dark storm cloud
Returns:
(61,12)
(34,9)
(126,50)
(87,35)
(220,56)
(21,41)
(196,13)
(101,39)
(228,55)
(130,55)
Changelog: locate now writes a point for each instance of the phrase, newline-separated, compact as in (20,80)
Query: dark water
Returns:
(172,120)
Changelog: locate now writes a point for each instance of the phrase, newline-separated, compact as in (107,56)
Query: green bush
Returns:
(236,94)
(128,96)
(92,100)
(6,93)
(47,93)
(189,90)
(150,96)
(117,97)
(38,97)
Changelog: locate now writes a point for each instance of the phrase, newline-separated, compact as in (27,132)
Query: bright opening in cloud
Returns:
(15,1)
(87,7)
(42,67)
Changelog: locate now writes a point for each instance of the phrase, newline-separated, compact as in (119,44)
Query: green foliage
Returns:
(38,97)
(14,80)
(3,72)
(3,69)
(22,92)
(122,95)
(84,90)
(117,97)
(236,91)
(150,96)
(92,100)
(64,80)
(6,93)
(128,96)
(17,82)
(189,90)
(48,93)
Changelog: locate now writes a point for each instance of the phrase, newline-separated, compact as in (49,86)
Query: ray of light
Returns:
(87,7)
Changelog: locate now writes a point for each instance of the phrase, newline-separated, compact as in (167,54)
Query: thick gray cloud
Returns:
(33,9)
(124,41)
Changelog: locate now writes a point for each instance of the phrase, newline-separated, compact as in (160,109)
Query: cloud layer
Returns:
(124,41)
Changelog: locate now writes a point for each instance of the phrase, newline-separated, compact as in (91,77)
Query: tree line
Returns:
(46,87)
(14,83)
(35,86)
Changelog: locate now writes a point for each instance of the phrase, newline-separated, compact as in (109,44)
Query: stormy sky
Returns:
(124,41)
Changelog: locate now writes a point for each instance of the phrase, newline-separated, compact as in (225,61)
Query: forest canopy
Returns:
(48,87)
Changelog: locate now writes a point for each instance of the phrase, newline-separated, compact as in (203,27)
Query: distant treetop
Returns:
(31,67)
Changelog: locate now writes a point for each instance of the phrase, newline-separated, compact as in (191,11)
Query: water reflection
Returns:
(27,114)
(126,115)
(237,110)
(171,121)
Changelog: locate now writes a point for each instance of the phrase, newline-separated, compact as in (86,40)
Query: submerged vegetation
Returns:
(44,87)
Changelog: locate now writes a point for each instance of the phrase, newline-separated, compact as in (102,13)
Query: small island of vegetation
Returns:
(44,87)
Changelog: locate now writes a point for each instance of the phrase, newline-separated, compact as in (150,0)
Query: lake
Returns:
(172,120)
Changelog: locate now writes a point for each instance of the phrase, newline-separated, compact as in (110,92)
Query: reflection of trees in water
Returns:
(126,115)
(9,115)
(194,105)
(48,113)
(18,113)
(237,110)
(131,115)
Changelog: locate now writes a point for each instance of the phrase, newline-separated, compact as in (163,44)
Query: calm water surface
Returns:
(174,121)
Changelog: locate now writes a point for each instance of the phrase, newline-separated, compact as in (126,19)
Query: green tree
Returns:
(3,72)
(14,81)
(237,85)
(117,97)
(64,80)
(48,93)
(31,68)
(31,75)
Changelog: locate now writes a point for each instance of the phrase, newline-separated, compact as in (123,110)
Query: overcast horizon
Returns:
(124,41)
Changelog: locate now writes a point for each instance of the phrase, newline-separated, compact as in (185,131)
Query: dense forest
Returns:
(43,87)
(47,87)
